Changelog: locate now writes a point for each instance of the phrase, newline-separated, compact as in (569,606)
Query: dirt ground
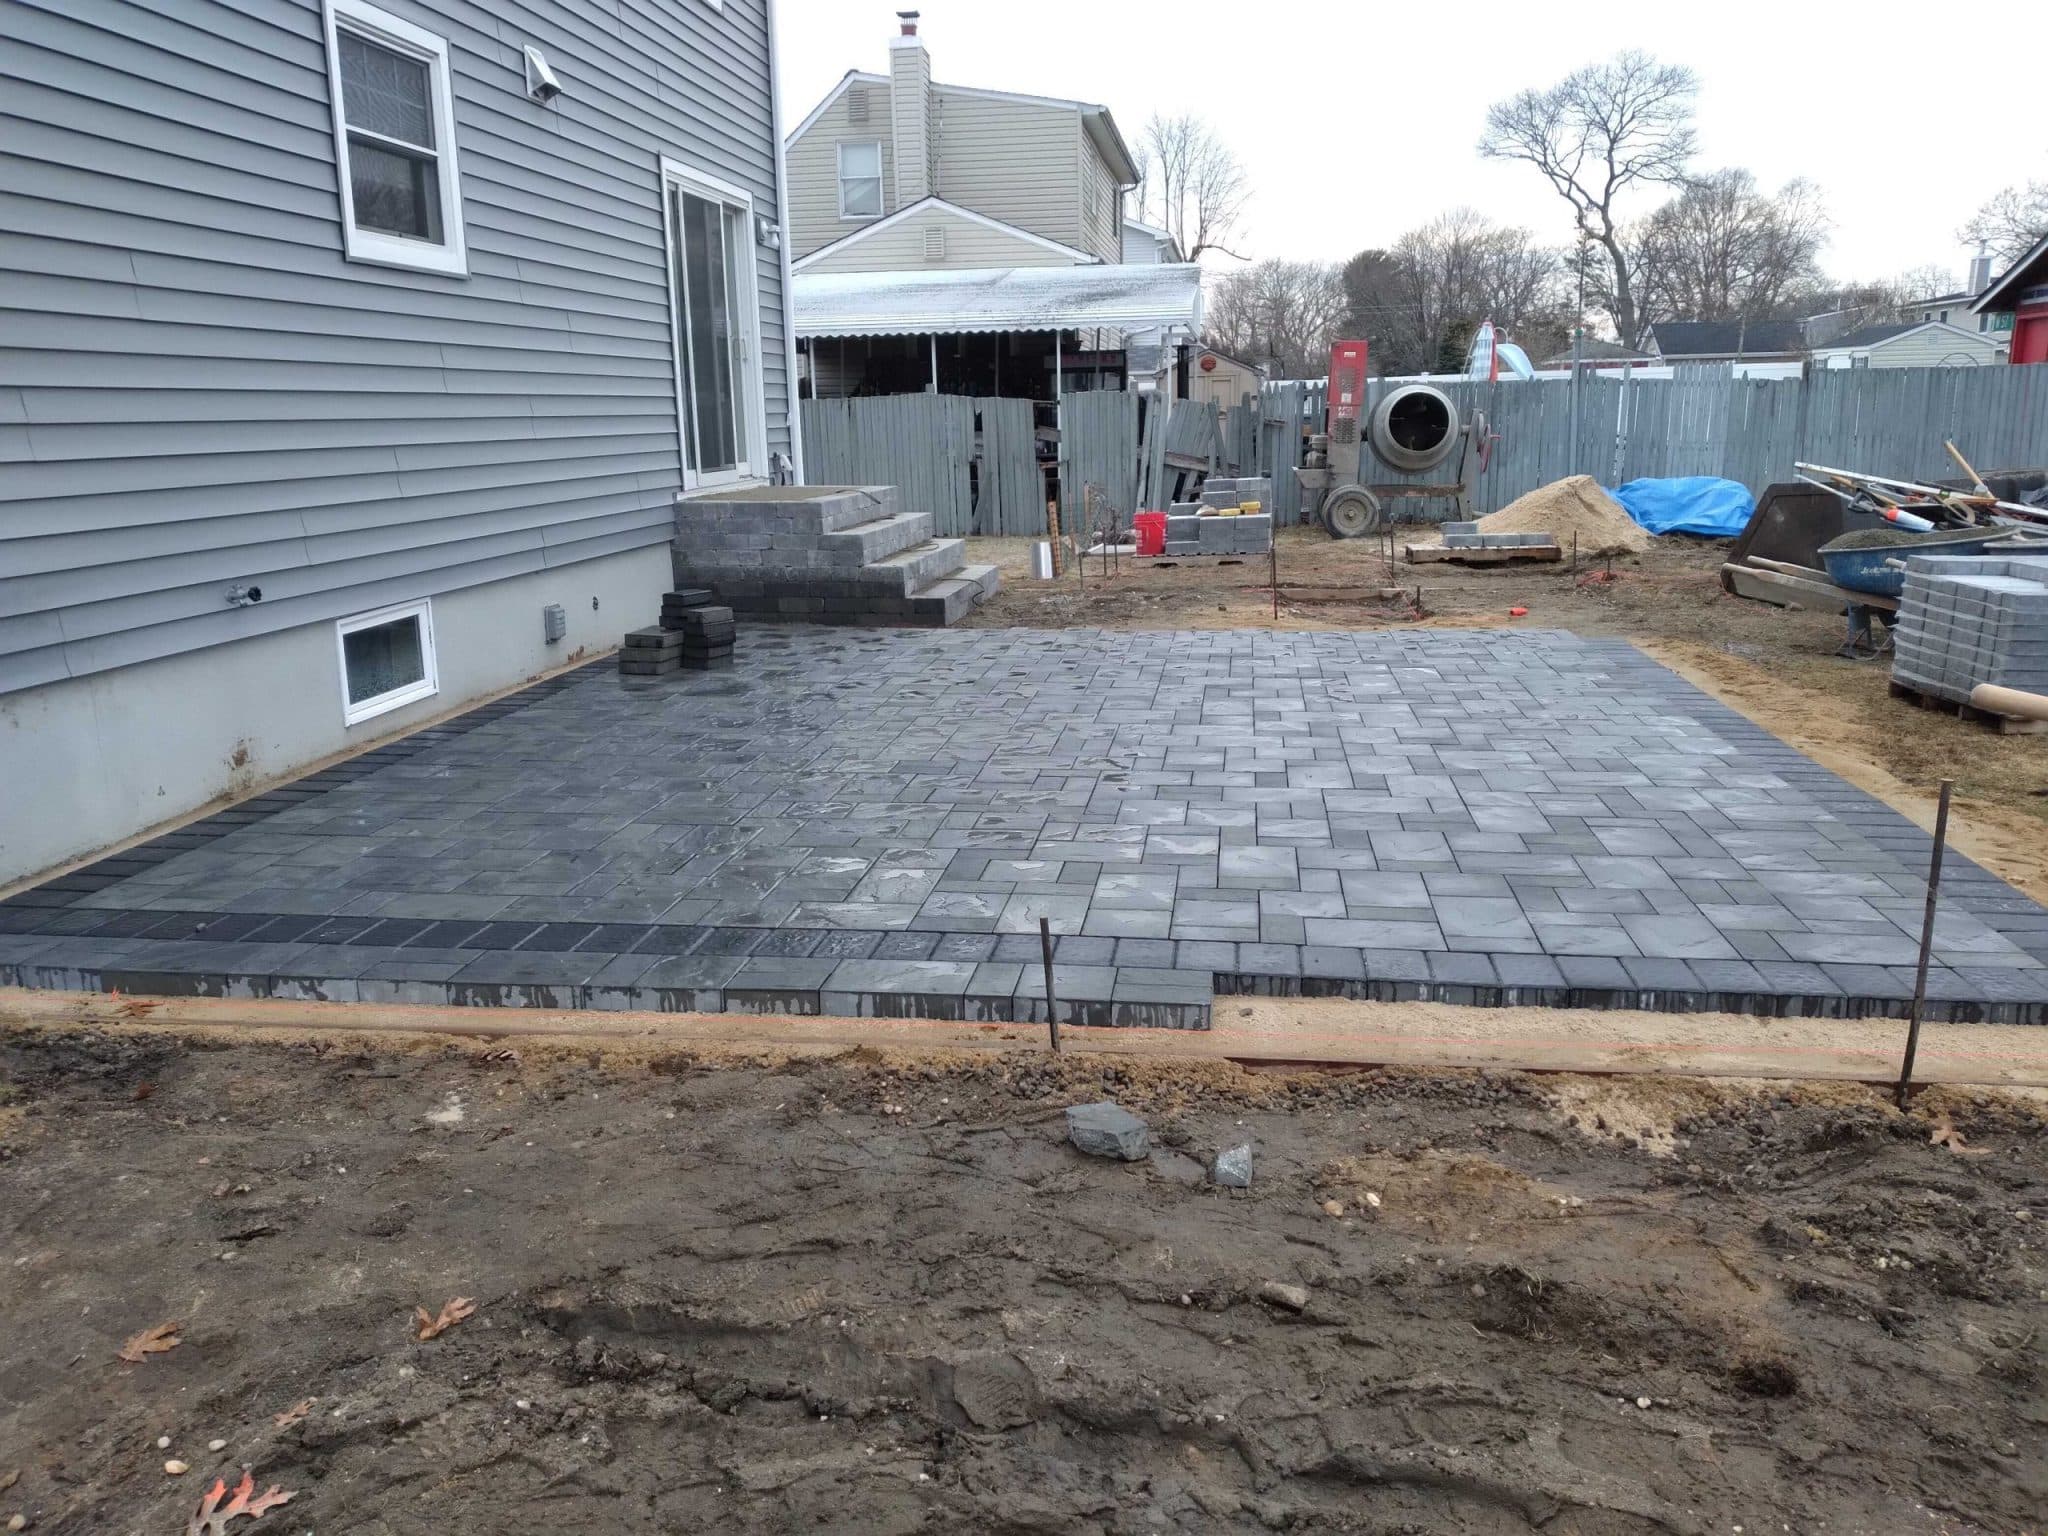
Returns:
(878,1293)
(1776,665)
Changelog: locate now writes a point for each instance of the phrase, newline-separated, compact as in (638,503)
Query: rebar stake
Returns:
(1052,1019)
(1926,943)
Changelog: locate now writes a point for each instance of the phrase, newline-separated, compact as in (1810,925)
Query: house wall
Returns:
(91,761)
(1012,160)
(1930,349)
(901,248)
(197,390)
(813,161)
(1102,227)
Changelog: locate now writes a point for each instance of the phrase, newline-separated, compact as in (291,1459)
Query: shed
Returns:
(1219,378)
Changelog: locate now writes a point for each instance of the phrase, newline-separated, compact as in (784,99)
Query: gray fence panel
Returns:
(1099,446)
(1011,497)
(1888,421)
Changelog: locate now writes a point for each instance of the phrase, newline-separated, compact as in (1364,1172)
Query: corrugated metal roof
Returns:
(995,299)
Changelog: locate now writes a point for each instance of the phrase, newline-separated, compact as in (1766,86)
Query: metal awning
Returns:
(1133,298)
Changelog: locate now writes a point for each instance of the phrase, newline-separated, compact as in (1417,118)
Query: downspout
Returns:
(796,432)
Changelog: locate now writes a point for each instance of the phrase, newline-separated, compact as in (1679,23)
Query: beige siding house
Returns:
(879,146)
(1912,344)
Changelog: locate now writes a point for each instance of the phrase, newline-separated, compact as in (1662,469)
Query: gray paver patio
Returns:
(875,822)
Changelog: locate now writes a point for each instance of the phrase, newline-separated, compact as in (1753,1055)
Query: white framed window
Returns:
(394,141)
(387,660)
(715,326)
(860,179)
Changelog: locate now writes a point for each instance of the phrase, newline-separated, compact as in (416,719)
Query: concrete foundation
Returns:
(94,760)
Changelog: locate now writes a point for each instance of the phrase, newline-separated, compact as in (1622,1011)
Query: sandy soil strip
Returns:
(1248,1030)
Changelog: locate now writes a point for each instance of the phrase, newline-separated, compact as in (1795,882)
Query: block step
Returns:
(916,567)
(865,543)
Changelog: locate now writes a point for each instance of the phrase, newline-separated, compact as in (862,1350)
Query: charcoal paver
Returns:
(875,822)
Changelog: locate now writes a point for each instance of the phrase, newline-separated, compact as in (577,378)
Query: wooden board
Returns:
(1437,554)
(2005,725)
(1786,590)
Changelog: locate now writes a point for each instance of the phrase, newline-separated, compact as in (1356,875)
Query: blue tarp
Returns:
(1691,504)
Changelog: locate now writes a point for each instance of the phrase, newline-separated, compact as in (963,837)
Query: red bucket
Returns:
(1151,531)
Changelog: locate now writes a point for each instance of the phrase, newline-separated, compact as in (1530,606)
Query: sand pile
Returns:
(1572,506)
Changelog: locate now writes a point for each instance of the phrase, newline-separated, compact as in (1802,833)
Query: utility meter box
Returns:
(554,622)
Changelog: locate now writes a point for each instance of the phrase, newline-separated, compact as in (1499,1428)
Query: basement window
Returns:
(387,660)
(860,180)
(394,138)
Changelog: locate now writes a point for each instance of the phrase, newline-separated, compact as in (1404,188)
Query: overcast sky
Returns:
(1358,121)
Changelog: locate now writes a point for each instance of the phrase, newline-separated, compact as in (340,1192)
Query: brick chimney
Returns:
(910,111)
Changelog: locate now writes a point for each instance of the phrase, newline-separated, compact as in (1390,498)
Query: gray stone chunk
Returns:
(1107,1129)
(1233,1167)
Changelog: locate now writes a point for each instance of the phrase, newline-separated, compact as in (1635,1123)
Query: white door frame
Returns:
(750,394)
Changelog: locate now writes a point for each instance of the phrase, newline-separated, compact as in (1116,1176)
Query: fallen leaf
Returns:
(1946,1135)
(296,1412)
(211,1518)
(451,1314)
(151,1341)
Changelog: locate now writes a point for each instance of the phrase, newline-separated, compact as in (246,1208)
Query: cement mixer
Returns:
(1413,429)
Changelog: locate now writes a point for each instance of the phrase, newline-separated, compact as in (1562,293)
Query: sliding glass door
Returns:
(712,305)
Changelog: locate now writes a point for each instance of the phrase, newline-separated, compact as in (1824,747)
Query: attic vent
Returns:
(857,104)
(934,243)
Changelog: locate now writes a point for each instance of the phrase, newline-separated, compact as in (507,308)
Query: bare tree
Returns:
(1190,184)
(1595,135)
(1421,302)
(1722,250)
(2012,223)
(1280,314)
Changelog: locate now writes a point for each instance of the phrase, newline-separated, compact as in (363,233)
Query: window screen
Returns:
(860,181)
(394,167)
(383,658)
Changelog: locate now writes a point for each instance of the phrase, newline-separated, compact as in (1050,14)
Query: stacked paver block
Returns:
(827,555)
(651,652)
(1468,536)
(1965,620)
(1210,526)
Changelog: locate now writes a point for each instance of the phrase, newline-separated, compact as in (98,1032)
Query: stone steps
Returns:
(834,555)
(866,543)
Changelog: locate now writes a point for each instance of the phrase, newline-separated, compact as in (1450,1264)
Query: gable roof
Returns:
(995,299)
(925,205)
(1726,338)
(2004,292)
(1153,232)
(1879,335)
(1095,118)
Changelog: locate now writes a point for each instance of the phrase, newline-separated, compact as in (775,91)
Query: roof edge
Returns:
(2009,277)
(937,204)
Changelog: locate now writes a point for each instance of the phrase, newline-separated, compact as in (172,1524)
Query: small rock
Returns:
(176,1468)
(1333,1207)
(163,1442)
(1642,1402)
(1107,1130)
(1290,1298)
(216,1445)
(1233,1167)
(17,1522)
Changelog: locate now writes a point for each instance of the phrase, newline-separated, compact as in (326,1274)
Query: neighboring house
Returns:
(1726,341)
(1955,308)
(1909,344)
(354,358)
(2016,303)
(1597,354)
(898,176)
(1149,245)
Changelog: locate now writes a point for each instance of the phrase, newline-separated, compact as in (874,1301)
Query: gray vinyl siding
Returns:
(1102,229)
(197,390)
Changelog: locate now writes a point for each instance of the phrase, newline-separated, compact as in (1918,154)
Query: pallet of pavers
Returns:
(1964,620)
(1233,517)
(1464,544)
(693,632)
